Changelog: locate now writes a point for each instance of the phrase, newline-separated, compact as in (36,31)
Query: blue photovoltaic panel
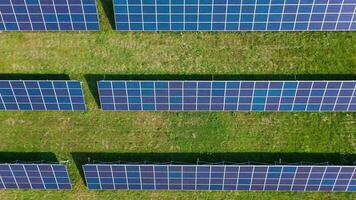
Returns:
(228,95)
(235,15)
(34,176)
(220,177)
(48,15)
(41,95)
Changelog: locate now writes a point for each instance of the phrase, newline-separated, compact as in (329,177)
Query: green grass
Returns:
(108,52)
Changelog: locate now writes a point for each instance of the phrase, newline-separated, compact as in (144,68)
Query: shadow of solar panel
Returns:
(220,177)
(298,96)
(41,95)
(234,15)
(48,15)
(34,176)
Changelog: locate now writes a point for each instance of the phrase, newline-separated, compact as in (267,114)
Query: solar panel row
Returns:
(41,95)
(183,95)
(181,15)
(228,95)
(235,15)
(48,15)
(220,177)
(183,177)
(34,176)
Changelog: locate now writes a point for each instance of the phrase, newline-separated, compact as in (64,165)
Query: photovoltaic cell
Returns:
(48,15)
(228,95)
(235,15)
(220,177)
(34,176)
(41,95)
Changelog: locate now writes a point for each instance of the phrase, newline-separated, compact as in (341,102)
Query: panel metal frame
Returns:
(253,106)
(56,14)
(42,96)
(267,22)
(32,177)
(222,177)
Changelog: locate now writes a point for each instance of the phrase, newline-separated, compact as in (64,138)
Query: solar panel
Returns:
(227,95)
(220,177)
(34,176)
(48,15)
(41,95)
(234,15)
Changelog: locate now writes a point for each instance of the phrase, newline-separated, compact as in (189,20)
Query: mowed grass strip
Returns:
(109,52)
(175,53)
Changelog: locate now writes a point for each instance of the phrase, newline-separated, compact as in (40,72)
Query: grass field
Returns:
(212,136)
